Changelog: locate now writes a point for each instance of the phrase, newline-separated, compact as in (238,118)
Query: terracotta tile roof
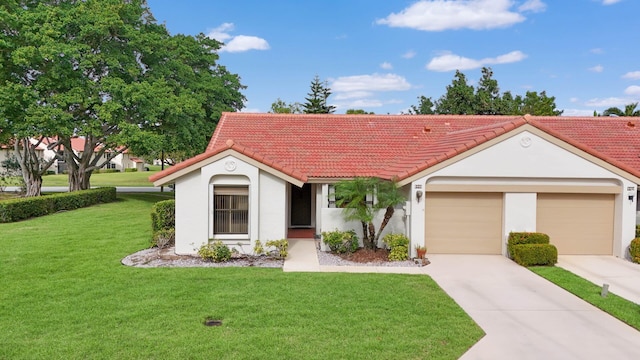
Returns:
(398,146)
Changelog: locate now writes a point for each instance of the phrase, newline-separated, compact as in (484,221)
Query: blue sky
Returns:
(380,55)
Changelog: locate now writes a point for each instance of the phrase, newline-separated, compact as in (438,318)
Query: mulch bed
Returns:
(367,256)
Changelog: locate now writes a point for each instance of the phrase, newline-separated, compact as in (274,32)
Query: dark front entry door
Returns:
(301,206)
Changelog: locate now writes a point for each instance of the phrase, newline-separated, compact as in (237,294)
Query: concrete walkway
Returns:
(622,276)
(523,315)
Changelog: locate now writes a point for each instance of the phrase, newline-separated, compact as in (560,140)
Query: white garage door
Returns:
(579,224)
(463,223)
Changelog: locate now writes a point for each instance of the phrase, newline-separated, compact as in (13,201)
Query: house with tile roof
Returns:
(469,180)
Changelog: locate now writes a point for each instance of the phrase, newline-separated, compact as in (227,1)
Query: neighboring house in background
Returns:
(120,162)
(7,151)
(469,180)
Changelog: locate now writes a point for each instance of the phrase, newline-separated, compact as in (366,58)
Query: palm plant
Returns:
(351,195)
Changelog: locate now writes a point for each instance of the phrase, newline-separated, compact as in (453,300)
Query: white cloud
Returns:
(574,100)
(221,32)
(238,43)
(533,6)
(438,15)
(449,61)
(597,68)
(577,112)
(386,65)
(352,95)
(633,75)
(596,51)
(633,90)
(242,43)
(610,2)
(409,54)
(360,91)
(360,104)
(607,102)
(374,82)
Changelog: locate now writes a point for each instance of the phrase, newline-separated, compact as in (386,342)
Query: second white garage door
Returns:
(463,223)
(580,224)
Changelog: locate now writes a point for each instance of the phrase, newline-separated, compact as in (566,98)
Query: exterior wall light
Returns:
(418,195)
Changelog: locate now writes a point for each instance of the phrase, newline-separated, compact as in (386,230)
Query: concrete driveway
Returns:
(527,317)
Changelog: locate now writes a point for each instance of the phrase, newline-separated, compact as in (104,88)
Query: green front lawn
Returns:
(66,295)
(623,309)
(104,179)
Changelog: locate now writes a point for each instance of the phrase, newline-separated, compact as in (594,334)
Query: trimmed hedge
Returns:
(30,207)
(163,223)
(520,238)
(163,215)
(634,250)
(535,254)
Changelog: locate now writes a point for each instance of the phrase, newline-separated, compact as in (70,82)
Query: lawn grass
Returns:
(622,309)
(138,178)
(66,295)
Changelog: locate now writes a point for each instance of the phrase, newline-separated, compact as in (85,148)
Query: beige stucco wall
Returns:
(526,159)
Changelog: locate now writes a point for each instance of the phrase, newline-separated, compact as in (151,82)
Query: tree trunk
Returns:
(77,165)
(79,179)
(372,236)
(365,236)
(34,186)
(30,166)
(387,216)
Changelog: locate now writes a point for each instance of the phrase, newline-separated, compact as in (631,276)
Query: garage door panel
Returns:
(463,223)
(579,224)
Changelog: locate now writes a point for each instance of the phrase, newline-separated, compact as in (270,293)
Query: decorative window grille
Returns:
(231,210)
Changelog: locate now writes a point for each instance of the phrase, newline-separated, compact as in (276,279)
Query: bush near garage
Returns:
(521,238)
(634,250)
(638,231)
(535,254)
(29,207)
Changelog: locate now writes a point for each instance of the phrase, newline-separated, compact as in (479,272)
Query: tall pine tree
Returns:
(316,100)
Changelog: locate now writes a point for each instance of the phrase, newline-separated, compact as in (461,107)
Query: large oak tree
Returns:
(104,70)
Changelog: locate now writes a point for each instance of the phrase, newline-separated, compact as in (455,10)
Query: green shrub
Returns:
(638,231)
(130,170)
(399,253)
(519,238)
(258,249)
(25,208)
(164,238)
(341,242)
(106,171)
(163,215)
(535,254)
(398,245)
(215,251)
(393,240)
(634,250)
(282,247)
